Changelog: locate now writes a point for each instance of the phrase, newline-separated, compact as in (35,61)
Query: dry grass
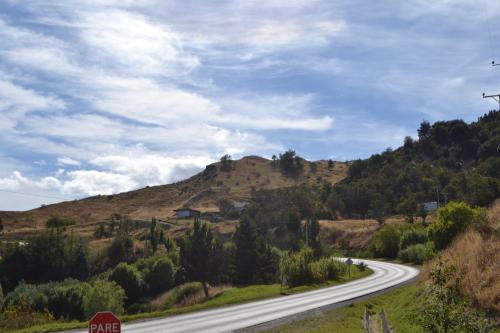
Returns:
(200,192)
(354,234)
(476,255)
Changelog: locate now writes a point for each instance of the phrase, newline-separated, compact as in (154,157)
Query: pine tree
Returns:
(197,255)
(245,239)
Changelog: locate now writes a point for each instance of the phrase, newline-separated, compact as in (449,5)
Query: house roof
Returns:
(186,208)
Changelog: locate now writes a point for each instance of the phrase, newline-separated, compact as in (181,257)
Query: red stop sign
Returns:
(104,322)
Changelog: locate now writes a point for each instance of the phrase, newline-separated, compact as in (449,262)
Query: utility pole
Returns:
(437,194)
(497,96)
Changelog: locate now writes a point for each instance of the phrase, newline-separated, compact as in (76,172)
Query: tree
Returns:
(245,239)
(422,212)
(160,276)
(104,296)
(313,166)
(196,254)
(386,242)
(311,234)
(127,277)
(452,220)
(290,164)
(424,130)
(226,163)
(121,249)
(331,164)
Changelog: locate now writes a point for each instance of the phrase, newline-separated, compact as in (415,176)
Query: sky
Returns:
(106,96)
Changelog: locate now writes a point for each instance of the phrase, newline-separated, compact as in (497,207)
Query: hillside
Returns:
(451,160)
(202,191)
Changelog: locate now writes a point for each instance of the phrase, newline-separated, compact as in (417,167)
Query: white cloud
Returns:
(67,161)
(18,99)
(137,43)
(92,182)
(13,182)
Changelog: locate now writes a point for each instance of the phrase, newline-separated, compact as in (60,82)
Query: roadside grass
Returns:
(231,296)
(399,305)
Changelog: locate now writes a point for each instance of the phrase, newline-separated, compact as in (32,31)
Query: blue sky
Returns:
(100,97)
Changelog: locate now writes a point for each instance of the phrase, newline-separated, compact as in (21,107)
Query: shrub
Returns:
(417,253)
(104,296)
(160,275)
(181,292)
(22,315)
(386,242)
(327,269)
(56,222)
(295,268)
(127,277)
(412,236)
(451,220)
(362,266)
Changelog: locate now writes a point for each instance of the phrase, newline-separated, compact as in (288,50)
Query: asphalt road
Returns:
(254,314)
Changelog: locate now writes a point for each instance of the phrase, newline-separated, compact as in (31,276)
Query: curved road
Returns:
(237,317)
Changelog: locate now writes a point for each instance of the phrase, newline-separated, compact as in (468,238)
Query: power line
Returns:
(35,195)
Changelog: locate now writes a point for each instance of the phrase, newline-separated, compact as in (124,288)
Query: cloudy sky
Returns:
(105,96)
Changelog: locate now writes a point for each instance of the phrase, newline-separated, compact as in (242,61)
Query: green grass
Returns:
(401,306)
(398,305)
(235,295)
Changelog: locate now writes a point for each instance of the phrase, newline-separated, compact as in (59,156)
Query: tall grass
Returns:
(476,255)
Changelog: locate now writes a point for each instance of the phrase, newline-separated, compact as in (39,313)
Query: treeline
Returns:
(451,160)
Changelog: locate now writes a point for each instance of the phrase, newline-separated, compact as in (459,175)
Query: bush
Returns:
(69,299)
(295,268)
(326,269)
(56,222)
(362,266)
(181,292)
(453,219)
(412,236)
(160,275)
(386,242)
(127,277)
(22,315)
(104,296)
(417,253)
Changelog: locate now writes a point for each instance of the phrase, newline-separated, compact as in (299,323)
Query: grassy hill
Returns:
(202,191)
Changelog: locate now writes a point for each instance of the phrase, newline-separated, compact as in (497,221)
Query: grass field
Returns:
(235,295)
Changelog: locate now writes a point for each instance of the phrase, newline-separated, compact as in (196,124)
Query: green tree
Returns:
(226,163)
(160,275)
(386,241)
(121,249)
(245,239)
(127,277)
(311,235)
(196,254)
(104,296)
(452,220)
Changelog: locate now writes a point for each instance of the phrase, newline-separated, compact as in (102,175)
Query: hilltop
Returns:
(202,191)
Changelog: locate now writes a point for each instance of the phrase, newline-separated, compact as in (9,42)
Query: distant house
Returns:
(186,213)
(430,206)
(240,205)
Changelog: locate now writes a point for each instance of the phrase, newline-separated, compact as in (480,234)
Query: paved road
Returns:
(230,318)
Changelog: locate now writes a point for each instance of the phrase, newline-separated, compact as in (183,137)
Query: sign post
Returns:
(104,322)
(349,263)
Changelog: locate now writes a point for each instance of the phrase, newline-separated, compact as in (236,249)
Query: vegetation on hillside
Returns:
(451,160)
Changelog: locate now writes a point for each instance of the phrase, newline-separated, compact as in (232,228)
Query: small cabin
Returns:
(240,205)
(186,213)
(430,206)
